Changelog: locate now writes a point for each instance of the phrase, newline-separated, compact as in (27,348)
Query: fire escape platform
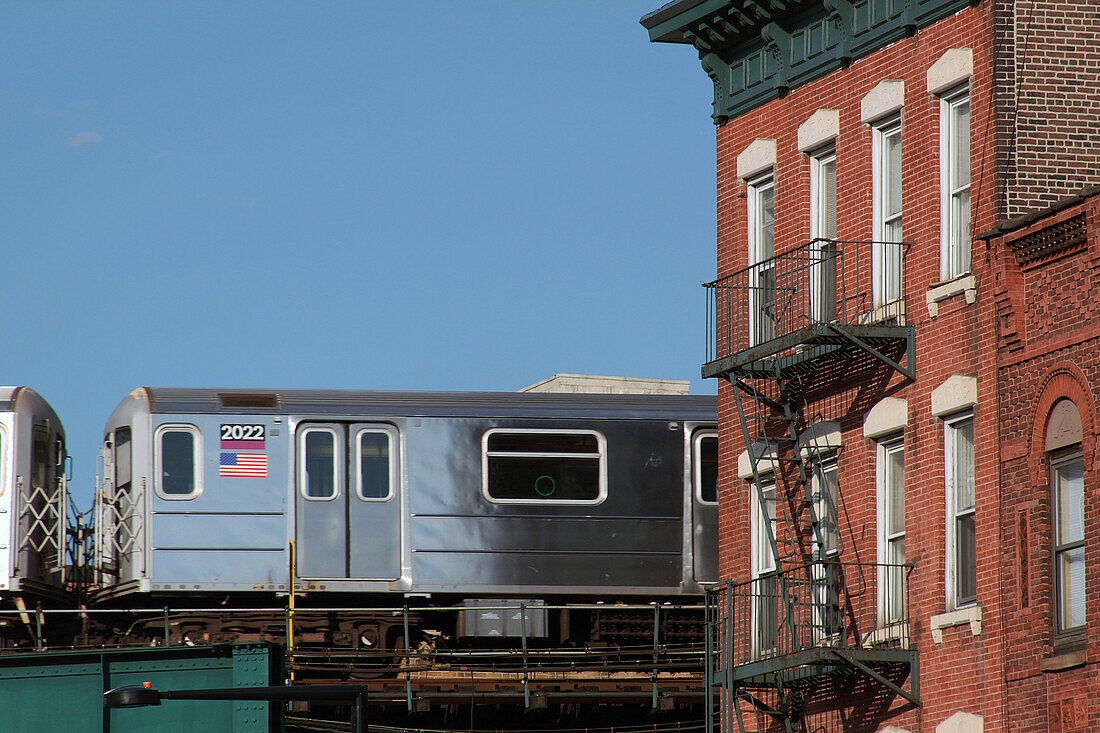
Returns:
(806,349)
(808,667)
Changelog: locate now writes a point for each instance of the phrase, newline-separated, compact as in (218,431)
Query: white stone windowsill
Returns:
(964,284)
(970,615)
(890,632)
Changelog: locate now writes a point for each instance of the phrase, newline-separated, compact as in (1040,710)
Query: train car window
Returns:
(179,461)
(544,466)
(705,457)
(122,458)
(3,459)
(375,475)
(319,463)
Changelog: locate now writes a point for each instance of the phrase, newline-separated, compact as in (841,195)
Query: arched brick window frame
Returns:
(1064,381)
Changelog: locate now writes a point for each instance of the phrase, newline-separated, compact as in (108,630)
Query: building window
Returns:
(826,548)
(764,567)
(826,486)
(544,466)
(886,210)
(955,184)
(705,454)
(1067,483)
(762,292)
(823,233)
(890,477)
(178,461)
(962,565)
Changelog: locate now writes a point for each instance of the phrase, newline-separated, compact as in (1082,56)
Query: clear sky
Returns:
(367,195)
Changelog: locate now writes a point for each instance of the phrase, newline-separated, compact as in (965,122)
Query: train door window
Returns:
(374,477)
(179,462)
(319,464)
(122,458)
(543,466)
(705,457)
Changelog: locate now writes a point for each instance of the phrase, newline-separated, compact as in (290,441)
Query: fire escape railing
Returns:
(788,628)
(846,283)
(826,604)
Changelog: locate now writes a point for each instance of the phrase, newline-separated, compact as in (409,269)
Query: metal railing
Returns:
(818,605)
(821,281)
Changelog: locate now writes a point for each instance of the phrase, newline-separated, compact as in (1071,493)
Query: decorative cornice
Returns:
(756,50)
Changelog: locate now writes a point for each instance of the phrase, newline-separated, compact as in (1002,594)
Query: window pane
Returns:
(543,443)
(892,143)
(1070,478)
(320,463)
(177,462)
(766,313)
(122,457)
(374,465)
(766,223)
(764,558)
(828,175)
(1071,573)
(895,486)
(961,144)
(552,479)
(966,580)
(827,484)
(964,464)
(708,468)
(960,202)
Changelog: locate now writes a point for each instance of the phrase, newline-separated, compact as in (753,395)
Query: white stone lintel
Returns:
(957,393)
(953,68)
(765,464)
(889,415)
(822,128)
(758,157)
(962,722)
(886,98)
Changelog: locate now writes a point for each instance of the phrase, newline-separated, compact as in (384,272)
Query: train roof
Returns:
(27,401)
(429,404)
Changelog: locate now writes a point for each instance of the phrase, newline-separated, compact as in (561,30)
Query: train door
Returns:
(704,505)
(348,503)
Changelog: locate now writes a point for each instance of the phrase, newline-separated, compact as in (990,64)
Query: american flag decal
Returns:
(243,465)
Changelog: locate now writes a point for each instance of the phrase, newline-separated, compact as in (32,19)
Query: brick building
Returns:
(907,411)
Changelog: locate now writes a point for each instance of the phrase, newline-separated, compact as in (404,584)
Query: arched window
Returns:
(1067,489)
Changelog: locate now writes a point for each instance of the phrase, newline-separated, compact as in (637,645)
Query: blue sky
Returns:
(398,195)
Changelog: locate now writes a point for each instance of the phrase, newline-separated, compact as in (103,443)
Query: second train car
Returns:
(454,497)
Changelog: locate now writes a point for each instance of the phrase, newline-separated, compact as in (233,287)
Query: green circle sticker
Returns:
(545,486)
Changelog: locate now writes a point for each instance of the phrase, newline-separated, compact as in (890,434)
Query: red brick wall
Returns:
(1047,80)
(1055,354)
(964,672)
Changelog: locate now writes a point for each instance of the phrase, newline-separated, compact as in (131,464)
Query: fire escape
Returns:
(810,625)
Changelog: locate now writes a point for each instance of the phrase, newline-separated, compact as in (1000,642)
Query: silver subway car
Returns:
(459,494)
(33,498)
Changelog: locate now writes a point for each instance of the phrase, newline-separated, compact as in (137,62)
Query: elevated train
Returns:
(376,501)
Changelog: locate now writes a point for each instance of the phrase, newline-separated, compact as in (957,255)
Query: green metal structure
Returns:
(63,691)
(757,50)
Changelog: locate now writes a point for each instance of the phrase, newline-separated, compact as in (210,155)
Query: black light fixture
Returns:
(131,696)
(134,696)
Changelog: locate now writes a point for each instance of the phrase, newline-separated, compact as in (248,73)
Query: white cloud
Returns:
(88,137)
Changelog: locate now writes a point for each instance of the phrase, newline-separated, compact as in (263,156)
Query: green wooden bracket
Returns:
(719,73)
(779,43)
(841,12)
